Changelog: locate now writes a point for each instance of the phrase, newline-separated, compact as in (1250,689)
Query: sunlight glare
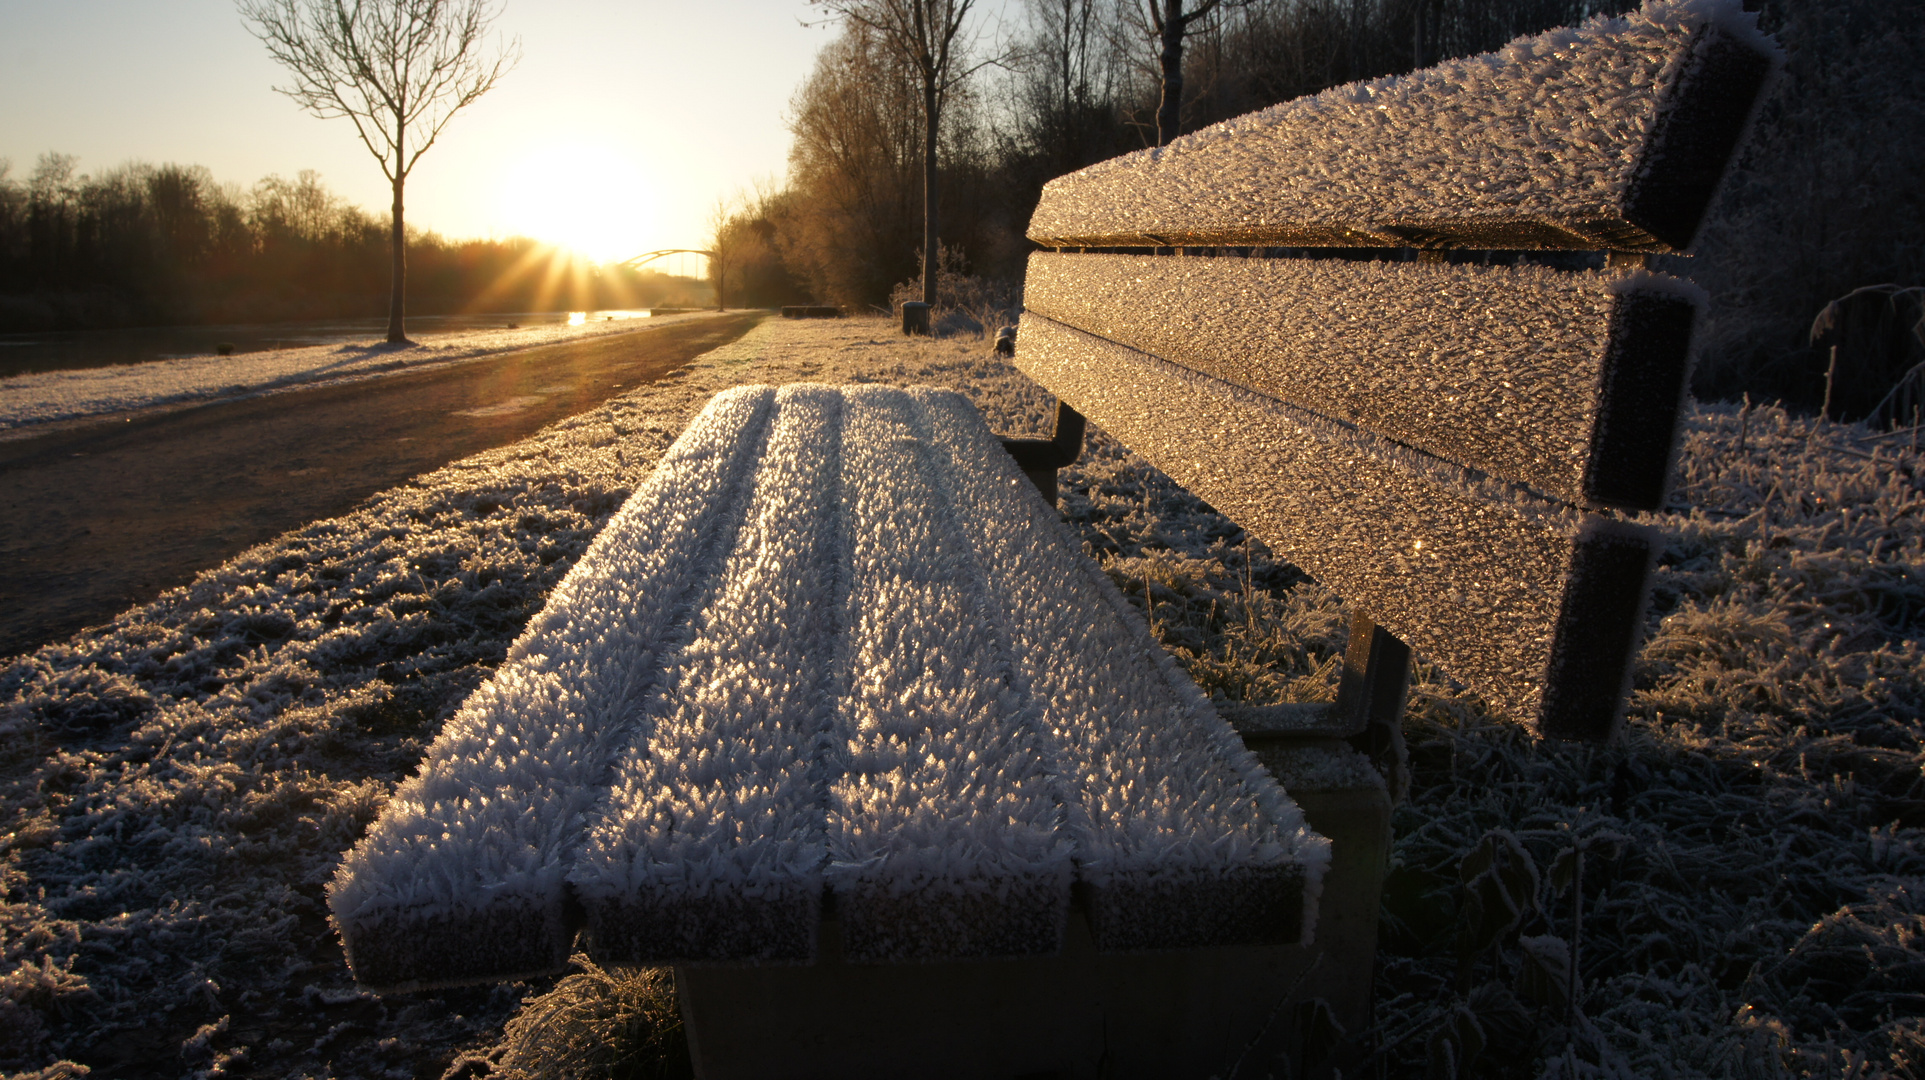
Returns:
(582,195)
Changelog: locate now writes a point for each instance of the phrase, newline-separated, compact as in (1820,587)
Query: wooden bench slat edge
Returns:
(1643,382)
(1468,572)
(1604,181)
(1570,383)
(1600,623)
(480,838)
(1708,112)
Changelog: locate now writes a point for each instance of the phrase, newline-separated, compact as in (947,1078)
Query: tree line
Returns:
(1824,200)
(141,244)
(1073,82)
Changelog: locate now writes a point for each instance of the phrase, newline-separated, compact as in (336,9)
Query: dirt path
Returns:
(100,518)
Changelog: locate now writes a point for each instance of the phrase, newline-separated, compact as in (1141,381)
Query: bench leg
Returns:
(1045,481)
(1080,1015)
(1343,959)
(1371,695)
(1040,458)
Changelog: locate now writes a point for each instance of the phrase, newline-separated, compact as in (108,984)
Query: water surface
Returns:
(67,349)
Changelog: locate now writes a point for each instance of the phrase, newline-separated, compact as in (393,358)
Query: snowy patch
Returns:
(47,396)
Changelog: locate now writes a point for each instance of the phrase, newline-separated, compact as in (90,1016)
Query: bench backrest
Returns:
(1435,440)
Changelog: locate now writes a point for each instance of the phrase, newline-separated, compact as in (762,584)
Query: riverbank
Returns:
(28,402)
(102,516)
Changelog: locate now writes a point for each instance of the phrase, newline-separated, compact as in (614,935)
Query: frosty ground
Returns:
(51,396)
(181,783)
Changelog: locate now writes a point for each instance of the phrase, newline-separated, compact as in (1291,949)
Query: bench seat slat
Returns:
(1182,839)
(711,842)
(1608,136)
(944,820)
(1534,605)
(462,876)
(1570,383)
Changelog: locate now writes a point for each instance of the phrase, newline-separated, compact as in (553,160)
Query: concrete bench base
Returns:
(1172,1014)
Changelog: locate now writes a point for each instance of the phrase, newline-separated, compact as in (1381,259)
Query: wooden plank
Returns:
(1570,383)
(1534,605)
(720,783)
(944,800)
(463,877)
(1182,841)
(1608,136)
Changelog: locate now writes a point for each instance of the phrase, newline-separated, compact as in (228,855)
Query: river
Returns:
(67,349)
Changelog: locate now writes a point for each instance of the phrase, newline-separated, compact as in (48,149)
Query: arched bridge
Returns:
(650,256)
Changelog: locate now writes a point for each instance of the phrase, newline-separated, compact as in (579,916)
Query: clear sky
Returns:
(624,123)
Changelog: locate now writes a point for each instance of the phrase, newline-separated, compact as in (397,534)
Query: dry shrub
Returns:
(1825,198)
(964,304)
(599,1024)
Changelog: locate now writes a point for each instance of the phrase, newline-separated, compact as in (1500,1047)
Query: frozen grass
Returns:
(181,782)
(1752,885)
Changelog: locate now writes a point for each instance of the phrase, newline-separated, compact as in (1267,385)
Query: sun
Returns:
(588,197)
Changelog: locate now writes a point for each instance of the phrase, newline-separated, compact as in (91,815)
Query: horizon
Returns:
(566,153)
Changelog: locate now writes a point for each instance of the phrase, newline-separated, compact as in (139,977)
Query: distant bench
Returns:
(835,691)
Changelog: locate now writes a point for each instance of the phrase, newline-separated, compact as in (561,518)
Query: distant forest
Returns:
(158,244)
(1078,82)
(1827,198)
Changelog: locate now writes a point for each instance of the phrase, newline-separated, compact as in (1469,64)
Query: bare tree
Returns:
(399,69)
(927,35)
(1171,24)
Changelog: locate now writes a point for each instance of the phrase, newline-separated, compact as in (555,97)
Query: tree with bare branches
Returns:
(928,36)
(399,69)
(1171,24)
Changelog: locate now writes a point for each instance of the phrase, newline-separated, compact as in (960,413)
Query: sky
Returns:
(623,124)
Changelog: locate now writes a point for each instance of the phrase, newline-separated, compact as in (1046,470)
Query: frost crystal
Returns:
(1532,603)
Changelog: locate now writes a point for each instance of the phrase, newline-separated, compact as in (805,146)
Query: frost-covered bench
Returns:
(835,717)
(836,658)
(1444,441)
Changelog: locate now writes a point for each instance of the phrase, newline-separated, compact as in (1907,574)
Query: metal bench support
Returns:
(1370,699)
(1080,1015)
(1040,458)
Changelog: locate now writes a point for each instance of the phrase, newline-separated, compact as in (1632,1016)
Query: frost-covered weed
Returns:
(965,304)
(599,1024)
(179,783)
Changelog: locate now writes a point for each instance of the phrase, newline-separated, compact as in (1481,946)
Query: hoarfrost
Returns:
(1538,144)
(1766,778)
